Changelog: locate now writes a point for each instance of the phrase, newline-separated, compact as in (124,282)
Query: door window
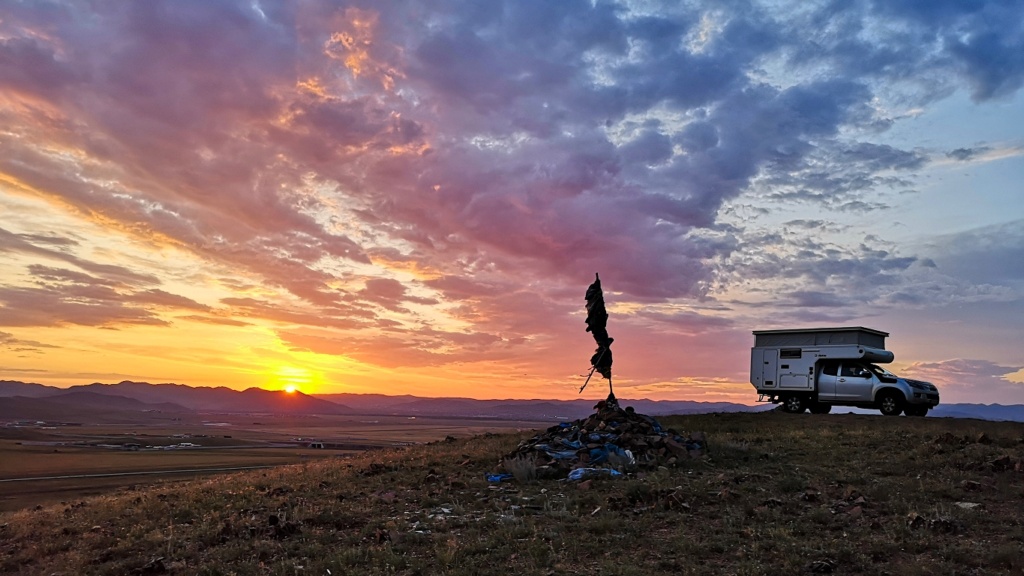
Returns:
(853,371)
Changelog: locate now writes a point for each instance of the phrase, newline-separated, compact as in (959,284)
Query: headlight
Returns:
(919,385)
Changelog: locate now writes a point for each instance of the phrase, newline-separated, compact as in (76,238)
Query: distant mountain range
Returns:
(30,401)
(157,398)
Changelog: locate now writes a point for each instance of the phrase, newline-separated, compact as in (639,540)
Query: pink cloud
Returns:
(503,152)
(970,380)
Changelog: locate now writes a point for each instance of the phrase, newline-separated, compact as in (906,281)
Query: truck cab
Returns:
(819,368)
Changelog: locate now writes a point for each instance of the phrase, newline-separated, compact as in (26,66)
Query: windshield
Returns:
(883,374)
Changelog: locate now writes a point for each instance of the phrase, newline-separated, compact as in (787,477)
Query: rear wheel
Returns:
(820,408)
(794,404)
(890,403)
(916,410)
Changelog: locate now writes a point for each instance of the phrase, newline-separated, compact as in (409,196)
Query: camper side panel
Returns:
(764,364)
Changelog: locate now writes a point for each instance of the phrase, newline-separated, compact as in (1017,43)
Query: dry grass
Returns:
(778,494)
(522,467)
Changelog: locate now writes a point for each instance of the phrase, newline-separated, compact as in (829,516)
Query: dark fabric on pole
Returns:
(597,324)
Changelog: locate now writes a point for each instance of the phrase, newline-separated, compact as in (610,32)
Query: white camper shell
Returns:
(817,368)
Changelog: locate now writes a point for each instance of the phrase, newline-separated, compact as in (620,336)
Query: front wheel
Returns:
(794,405)
(890,403)
(916,410)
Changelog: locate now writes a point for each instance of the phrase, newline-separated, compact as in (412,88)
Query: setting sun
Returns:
(291,379)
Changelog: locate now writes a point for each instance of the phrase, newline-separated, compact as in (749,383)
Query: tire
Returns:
(820,408)
(890,403)
(794,404)
(916,410)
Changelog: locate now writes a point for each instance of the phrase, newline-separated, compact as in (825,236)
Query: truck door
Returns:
(827,380)
(854,382)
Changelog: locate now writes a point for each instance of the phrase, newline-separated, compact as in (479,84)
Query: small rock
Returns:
(970,485)
(810,496)
(1001,463)
(821,567)
(945,526)
(154,566)
(915,521)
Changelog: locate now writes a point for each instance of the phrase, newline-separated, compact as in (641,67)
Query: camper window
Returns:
(789,353)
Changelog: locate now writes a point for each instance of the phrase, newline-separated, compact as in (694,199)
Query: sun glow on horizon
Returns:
(291,379)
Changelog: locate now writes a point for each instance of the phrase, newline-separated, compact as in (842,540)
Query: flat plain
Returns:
(776,494)
(45,464)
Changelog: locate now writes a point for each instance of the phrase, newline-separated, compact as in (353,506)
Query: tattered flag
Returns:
(597,324)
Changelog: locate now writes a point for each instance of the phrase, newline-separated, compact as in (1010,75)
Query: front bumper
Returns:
(924,398)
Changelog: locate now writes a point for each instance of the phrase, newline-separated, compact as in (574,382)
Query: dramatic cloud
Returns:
(972,381)
(414,184)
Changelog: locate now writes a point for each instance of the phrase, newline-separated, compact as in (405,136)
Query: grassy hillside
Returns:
(777,494)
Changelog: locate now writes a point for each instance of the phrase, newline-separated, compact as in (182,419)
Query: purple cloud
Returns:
(500,151)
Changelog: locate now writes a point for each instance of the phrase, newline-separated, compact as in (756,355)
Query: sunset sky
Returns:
(412,197)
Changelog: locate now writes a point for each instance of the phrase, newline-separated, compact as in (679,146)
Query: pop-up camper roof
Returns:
(821,337)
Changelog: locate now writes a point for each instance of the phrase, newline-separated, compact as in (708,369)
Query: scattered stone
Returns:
(982,439)
(1002,463)
(915,521)
(376,468)
(945,525)
(969,505)
(811,496)
(971,485)
(154,566)
(612,438)
(821,567)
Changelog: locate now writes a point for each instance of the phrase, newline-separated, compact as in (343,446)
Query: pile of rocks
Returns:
(611,440)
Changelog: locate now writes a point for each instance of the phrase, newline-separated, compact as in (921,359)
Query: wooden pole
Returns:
(603,350)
